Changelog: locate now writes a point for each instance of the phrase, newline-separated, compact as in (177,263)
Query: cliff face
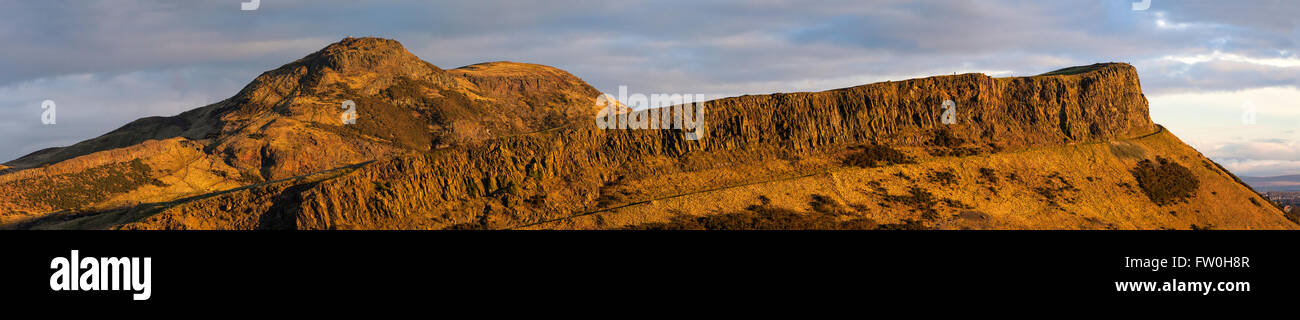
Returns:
(1104,103)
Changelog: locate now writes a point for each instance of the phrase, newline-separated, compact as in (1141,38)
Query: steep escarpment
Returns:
(1002,112)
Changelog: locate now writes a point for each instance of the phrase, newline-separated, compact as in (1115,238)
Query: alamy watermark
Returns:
(1249,113)
(652,112)
(949,115)
(48,116)
(250,5)
(85,273)
(349,115)
(1142,5)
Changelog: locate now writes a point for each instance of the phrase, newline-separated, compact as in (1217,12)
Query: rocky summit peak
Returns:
(363,65)
(364,54)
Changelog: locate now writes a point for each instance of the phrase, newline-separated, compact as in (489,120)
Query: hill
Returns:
(287,122)
(1074,149)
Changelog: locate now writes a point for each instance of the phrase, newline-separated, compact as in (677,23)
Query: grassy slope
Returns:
(268,194)
(1096,170)
(1074,70)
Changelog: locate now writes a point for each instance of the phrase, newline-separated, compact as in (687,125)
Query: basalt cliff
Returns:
(514,146)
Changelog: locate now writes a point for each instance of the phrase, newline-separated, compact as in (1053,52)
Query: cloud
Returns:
(89,105)
(1277,62)
(1212,122)
(1217,71)
(1271,15)
(1261,168)
(1263,149)
(118,56)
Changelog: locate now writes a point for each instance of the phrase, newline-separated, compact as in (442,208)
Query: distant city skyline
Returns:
(1204,65)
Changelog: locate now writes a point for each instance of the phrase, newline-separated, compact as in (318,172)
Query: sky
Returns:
(1221,75)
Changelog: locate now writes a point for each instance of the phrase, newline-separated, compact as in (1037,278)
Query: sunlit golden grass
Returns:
(1080,186)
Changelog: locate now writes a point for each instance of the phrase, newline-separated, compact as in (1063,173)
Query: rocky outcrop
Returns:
(1008,112)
